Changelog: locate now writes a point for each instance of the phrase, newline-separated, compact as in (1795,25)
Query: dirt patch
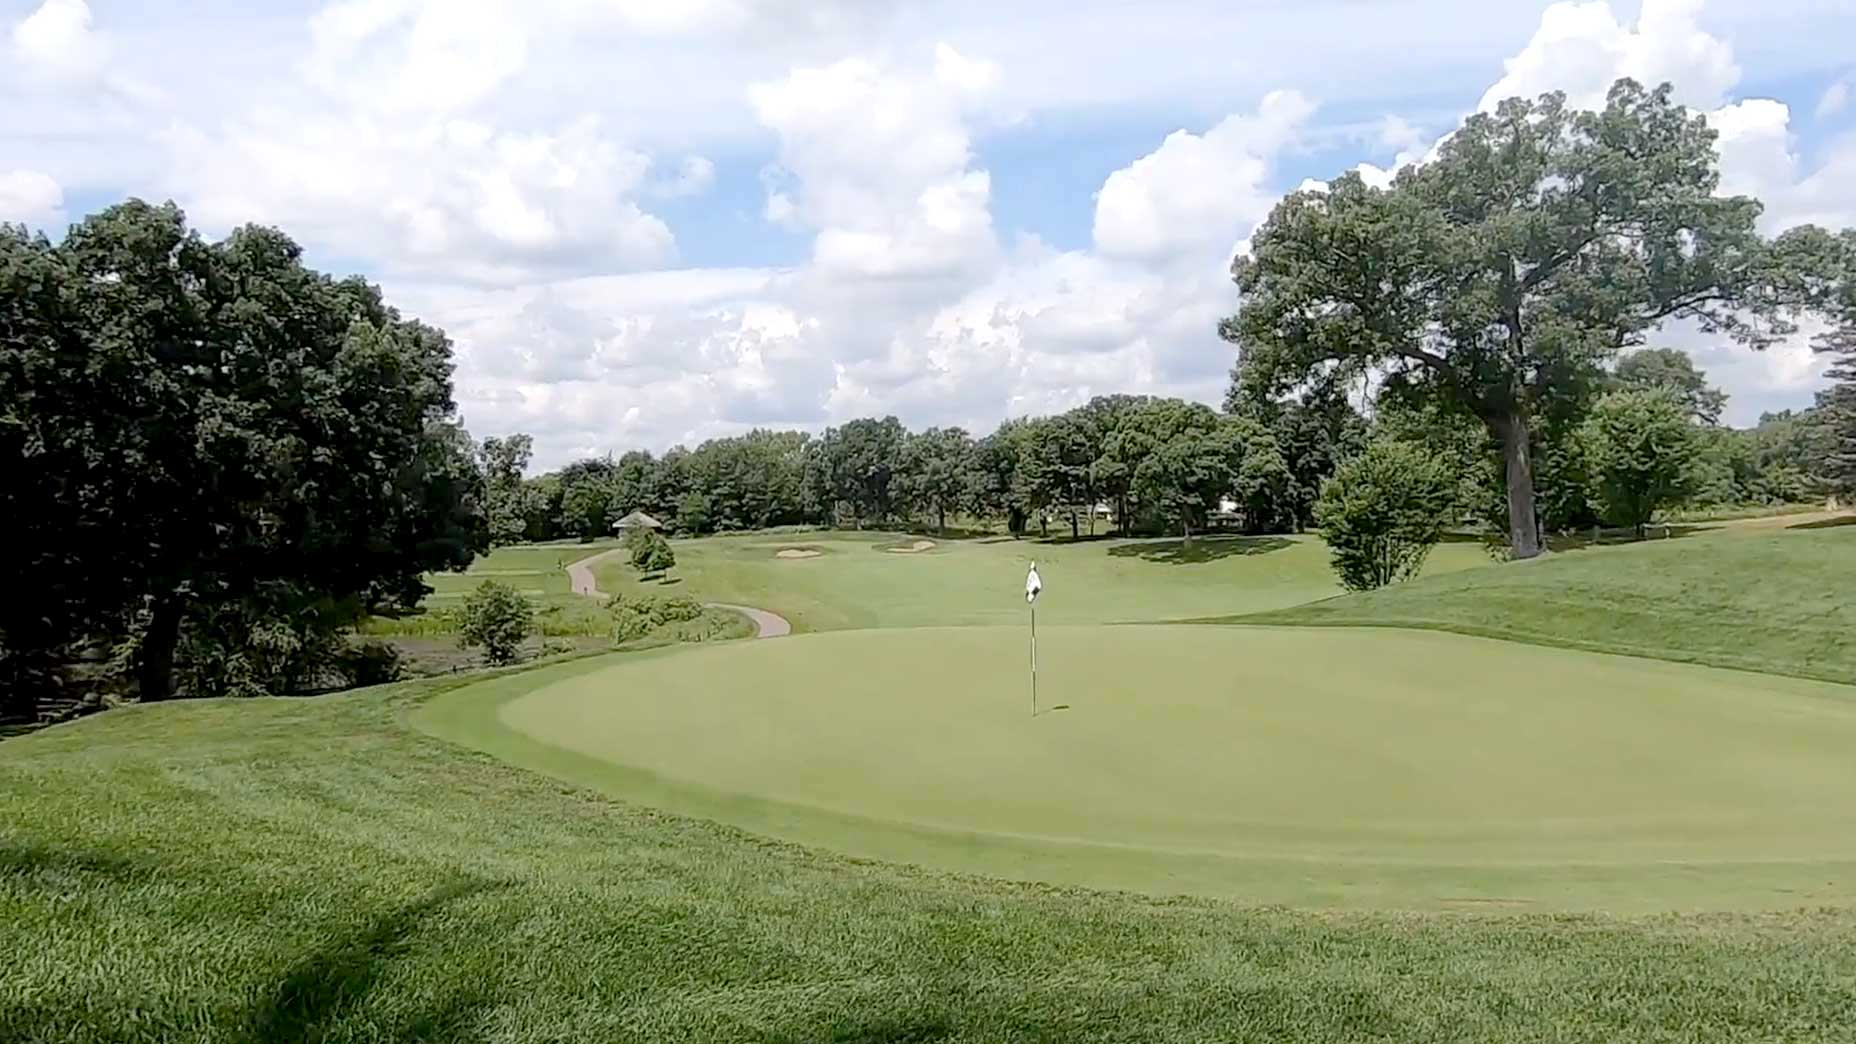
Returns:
(912,549)
(798,552)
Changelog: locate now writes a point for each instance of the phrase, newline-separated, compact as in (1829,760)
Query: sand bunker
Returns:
(913,549)
(797,552)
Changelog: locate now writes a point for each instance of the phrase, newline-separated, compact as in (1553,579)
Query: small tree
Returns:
(1642,451)
(695,514)
(652,555)
(1382,512)
(496,618)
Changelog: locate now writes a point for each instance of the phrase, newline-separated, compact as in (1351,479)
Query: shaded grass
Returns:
(313,870)
(1762,600)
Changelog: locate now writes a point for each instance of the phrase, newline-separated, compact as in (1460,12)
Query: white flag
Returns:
(1033,584)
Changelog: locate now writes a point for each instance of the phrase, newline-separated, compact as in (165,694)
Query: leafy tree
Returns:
(651,554)
(259,426)
(1382,512)
(1671,370)
(693,513)
(858,463)
(992,482)
(1642,448)
(1836,438)
(1263,484)
(1186,458)
(496,619)
(587,498)
(1539,242)
(508,500)
(1055,466)
(934,470)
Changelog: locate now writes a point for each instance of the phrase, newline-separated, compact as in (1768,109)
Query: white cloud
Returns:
(58,42)
(1196,191)
(494,163)
(1581,48)
(31,198)
(1835,99)
(881,159)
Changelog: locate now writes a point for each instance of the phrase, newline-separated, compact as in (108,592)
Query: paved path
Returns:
(580,576)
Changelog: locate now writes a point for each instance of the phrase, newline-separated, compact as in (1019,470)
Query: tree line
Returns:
(1128,462)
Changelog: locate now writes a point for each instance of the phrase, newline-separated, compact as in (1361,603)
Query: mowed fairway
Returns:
(1328,766)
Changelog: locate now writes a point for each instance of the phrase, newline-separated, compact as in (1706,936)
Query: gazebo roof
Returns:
(638,519)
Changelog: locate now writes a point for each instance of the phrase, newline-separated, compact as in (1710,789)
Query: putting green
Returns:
(1314,767)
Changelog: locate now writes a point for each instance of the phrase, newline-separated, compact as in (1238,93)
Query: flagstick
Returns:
(1034,659)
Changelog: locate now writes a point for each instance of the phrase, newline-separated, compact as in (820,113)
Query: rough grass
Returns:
(539,572)
(314,870)
(1761,599)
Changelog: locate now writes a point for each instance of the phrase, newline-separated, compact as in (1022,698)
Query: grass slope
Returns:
(1223,762)
(857,582)
(1759,599)
(315,870)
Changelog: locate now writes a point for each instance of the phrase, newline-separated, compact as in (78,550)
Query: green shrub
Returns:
(636,616)
(497,619)
(1381,513)
(369,663)
(652,555)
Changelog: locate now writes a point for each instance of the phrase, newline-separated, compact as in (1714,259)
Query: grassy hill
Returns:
(1762,599)
(320,870)
(314,870)
(859,580)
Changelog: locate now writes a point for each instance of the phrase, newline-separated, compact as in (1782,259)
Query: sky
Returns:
(651,222)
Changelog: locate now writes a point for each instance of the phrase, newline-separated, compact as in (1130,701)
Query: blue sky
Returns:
(647,223)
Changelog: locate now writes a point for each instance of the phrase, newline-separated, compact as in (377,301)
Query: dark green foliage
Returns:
(257,426)
(496,619)
(935,472)
(1382,512)
(1501,276)
(1671,370)
(650,553)
(694,514)
(369,663)
(637,616)
(1641,449)
(509,501)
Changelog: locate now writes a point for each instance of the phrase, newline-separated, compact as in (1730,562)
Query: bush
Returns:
(497,619)
(369,663)
(653,555)
(637,616)
(1382,512)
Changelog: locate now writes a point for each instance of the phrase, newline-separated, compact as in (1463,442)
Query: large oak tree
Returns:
(195,426)
(1538,242)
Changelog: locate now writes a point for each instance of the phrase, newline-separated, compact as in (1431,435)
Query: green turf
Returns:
(538,572)
(1761,598)
(322,870)
(1226,762)
(858,583)
(312,870)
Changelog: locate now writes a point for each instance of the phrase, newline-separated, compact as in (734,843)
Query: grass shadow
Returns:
(329,983)
(31,860)
(1200,549)
(883,1030)
(1825,523)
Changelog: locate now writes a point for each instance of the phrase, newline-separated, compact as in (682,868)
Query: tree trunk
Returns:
(1075,528)
(1185,528)
(154,669)
(941,520)
(1518,455)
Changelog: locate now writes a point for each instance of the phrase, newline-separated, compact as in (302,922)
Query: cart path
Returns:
(580,577)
